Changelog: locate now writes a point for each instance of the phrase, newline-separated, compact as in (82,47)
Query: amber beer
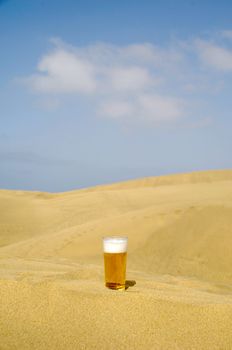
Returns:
(115,253)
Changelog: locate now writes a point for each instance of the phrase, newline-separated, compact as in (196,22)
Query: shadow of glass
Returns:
(130,283)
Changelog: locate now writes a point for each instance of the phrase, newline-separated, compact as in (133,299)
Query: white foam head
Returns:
(115,244)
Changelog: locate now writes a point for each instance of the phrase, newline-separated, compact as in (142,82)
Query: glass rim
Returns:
(115,239)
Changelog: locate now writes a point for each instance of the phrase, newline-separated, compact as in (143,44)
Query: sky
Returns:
(98,91)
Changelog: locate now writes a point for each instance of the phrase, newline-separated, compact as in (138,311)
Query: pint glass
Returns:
(115,252)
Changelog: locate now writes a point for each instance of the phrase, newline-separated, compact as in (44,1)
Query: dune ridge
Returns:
(179,227)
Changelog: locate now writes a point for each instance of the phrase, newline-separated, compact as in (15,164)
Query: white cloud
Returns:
(215,56)
(140,83)
(130,78)
(123,81)
(146,108)
(63,72)
(160,108)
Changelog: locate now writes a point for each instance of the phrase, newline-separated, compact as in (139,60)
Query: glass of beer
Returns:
(115,252)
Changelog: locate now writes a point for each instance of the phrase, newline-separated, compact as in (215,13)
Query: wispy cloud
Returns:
(214,55)
(226,34)
(137,83)
(124,82)
(129,79)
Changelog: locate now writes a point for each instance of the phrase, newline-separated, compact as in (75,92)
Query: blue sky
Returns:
(94,92)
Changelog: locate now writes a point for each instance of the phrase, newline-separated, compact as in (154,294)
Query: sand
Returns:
(179,229)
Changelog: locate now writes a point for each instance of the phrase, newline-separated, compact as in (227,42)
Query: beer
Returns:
(115,253)
(115,270)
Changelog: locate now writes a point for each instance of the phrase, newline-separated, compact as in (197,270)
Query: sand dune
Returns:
(52,294)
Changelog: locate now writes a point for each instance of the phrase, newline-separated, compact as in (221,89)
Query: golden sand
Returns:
(52,293)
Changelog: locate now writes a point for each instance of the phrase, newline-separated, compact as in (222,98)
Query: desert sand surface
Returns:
(179,228)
